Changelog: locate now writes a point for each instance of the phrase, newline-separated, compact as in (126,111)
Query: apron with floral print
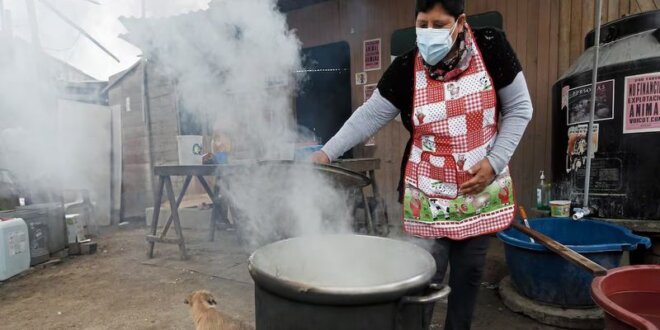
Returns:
(454,127)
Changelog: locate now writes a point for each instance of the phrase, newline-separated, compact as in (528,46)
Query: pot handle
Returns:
(439,291)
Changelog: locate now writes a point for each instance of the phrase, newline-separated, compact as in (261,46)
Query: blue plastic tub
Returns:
(544,276)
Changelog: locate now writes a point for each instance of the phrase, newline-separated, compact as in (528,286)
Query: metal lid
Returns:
(342,269)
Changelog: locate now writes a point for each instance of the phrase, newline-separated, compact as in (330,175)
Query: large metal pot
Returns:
(262,198)
(343,282)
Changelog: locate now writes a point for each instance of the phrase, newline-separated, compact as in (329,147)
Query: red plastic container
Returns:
(630,297)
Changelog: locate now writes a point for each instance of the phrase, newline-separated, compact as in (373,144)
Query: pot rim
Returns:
(301,291)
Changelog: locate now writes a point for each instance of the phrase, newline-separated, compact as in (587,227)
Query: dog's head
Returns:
(200,296)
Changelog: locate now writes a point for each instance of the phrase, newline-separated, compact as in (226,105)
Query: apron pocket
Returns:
(437,176)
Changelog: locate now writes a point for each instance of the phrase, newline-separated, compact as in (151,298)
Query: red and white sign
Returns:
(642,103)
(371,51)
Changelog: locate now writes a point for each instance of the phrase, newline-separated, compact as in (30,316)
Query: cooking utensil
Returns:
(343,282)
(523,214)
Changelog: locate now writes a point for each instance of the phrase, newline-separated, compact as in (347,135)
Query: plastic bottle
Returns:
(543,194)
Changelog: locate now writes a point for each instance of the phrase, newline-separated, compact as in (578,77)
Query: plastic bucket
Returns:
(544,276)
(560,209)
(630,297)
(190,149)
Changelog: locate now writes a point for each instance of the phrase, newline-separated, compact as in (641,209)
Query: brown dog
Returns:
(207,317)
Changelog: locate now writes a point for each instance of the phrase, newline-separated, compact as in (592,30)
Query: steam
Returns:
(237,70)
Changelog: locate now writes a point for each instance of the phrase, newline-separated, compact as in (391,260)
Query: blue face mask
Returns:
(434,44)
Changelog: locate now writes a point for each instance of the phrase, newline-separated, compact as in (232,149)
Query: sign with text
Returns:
(372,54)
(642,103)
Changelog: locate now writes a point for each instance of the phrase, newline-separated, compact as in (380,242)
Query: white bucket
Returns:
(190,149)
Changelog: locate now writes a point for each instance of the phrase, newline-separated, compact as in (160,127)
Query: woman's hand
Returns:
(319,157)
(483,176)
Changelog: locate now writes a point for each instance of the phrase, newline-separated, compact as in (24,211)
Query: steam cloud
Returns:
(239,70)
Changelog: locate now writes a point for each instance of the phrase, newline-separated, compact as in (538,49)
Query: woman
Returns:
(455,184)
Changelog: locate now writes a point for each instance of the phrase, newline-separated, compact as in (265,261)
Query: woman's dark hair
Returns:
(453,7)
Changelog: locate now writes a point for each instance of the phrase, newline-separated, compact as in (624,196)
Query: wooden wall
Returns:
(548,35)
(136,189)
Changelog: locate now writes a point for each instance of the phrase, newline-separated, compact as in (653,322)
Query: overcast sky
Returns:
(101,21)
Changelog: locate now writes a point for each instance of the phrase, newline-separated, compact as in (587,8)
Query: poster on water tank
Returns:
(579,99)
(642,103)
(576,152)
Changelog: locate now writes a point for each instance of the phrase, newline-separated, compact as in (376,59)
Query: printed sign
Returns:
(368,91)
(642,103)
(372,56)
(360,78)
(606,176)
(579,100)
(576,154)
(564,97)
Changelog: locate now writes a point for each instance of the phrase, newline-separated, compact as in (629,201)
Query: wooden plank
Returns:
(612,10)
(543,85)
(588,9)
(155,239)
(511,21)
(553,75)
(532,72)
(624,7)
(645,5)
(564,35)
(521,40)
(657,4)
(576,41)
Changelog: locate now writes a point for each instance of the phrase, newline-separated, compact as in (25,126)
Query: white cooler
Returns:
(14,247)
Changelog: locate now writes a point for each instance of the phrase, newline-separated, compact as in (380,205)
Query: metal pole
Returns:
(78,28)
(592,105)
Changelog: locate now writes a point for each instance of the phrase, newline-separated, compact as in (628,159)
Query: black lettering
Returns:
(638,110)
(655,110)
(631,114)
(649,109)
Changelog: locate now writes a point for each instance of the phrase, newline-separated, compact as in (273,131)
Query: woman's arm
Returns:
(364,123)
(516,112)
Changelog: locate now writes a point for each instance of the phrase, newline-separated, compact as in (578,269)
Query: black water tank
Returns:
(625,178)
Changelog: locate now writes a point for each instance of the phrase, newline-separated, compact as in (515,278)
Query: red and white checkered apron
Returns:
(454,127)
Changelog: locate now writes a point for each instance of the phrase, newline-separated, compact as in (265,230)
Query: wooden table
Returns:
(165,174)
(368,167)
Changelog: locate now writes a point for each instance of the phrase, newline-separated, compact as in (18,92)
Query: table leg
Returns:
(154,219)
(367,211)
(215,200)
(186,183)
(175,217)
(385,222)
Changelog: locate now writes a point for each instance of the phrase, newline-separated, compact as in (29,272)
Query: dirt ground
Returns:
(119,288)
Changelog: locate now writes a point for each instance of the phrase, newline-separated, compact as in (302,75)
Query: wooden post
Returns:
(2,16)
(32,19)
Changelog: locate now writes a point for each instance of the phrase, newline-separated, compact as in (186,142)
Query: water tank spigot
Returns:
(580,213)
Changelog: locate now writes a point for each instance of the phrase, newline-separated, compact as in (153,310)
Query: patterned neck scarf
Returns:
(447,69)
